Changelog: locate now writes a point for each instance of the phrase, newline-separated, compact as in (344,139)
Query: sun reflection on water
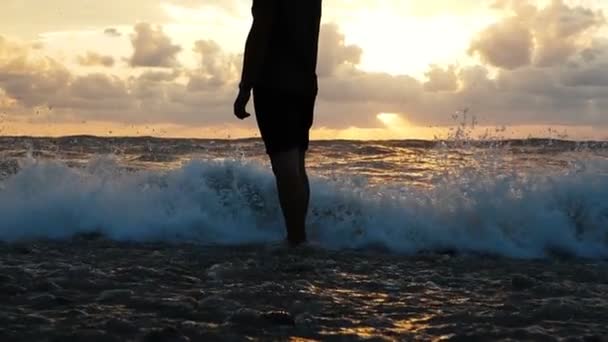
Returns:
(412,325)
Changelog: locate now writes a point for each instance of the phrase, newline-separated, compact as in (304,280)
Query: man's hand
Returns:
(240,105)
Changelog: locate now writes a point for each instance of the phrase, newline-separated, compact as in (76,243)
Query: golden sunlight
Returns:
(396,123)
(391,120)
(396,44)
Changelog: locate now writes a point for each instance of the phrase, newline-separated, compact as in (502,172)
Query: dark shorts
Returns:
(284,118)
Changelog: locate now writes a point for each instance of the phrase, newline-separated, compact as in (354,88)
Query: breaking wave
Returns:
(234,202)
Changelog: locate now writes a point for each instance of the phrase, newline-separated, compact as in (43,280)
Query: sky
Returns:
(388,69)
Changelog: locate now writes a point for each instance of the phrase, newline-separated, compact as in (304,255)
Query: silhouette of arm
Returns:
(264,12)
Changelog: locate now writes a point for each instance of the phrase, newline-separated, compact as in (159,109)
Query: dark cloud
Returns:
(440,79)
(99,86)
(508,45)
(216,68)
(95,59)
(112,32)
(595,75)
(333,52)
(561,31)
(160,76)
(95,93)
(541,36)
(30,82)
(152,47)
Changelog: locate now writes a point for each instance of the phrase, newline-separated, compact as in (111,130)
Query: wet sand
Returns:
(93,289)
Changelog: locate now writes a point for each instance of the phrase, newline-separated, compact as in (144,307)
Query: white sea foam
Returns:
(232,202)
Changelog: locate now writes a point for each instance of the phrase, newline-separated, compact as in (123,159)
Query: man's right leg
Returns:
(292,186)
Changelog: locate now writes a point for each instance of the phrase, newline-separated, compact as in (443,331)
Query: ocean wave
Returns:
(234,202)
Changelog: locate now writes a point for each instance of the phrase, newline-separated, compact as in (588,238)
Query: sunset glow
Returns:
(391,68)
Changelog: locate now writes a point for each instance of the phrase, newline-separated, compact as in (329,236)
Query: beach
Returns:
(93,289)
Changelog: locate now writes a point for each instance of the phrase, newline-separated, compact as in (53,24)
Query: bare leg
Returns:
(293,193)
(305,177)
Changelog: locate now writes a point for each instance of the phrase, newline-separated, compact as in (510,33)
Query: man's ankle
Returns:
(296,240)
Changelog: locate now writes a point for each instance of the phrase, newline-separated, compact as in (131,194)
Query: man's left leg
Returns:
(306,184)
(292,186)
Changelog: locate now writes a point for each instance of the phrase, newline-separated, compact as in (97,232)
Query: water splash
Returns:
(234,202)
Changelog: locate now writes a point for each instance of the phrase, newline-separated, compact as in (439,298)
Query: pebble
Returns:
(79,272)
(304,319)
(23,249)
(44,285)
(279,318)
(271,287)
(181,309)
(6,318)
(145,271)
(115,295)
(245,316)
(36,319)
(521,282)
(90,236)
(217,303)
(219,271)
(168,334)
(250,317)
(42,301)
(121,326)
(5,278)
(11,289)
(197,294)
(91,335)
(82,284)
(299,267)
(191,280)
(302,306)
(195,326)
(559,309)
(76,313)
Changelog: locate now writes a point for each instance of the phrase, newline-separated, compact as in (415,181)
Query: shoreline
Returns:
(90,288)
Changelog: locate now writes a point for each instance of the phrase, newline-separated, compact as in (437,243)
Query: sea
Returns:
(410,239)
(517,198)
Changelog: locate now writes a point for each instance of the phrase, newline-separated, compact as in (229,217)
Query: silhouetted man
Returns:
(280,67)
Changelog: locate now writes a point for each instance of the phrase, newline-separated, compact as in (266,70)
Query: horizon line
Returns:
(530,138)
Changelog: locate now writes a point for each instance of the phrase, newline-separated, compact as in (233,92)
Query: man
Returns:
(280,68)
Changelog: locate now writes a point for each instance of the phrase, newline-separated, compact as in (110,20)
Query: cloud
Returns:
(32,80)
(526,89)
(541,36)
(508,45)
(29,18)
(333,52)
(112,32)
(440,79)
(588,76)
(216,68)
(521,80)
(231,6)
(152,47)
(28,79)
(160,76)
(561,31)
(95,59)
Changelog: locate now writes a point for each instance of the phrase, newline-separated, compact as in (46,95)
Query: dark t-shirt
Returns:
(291,59)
